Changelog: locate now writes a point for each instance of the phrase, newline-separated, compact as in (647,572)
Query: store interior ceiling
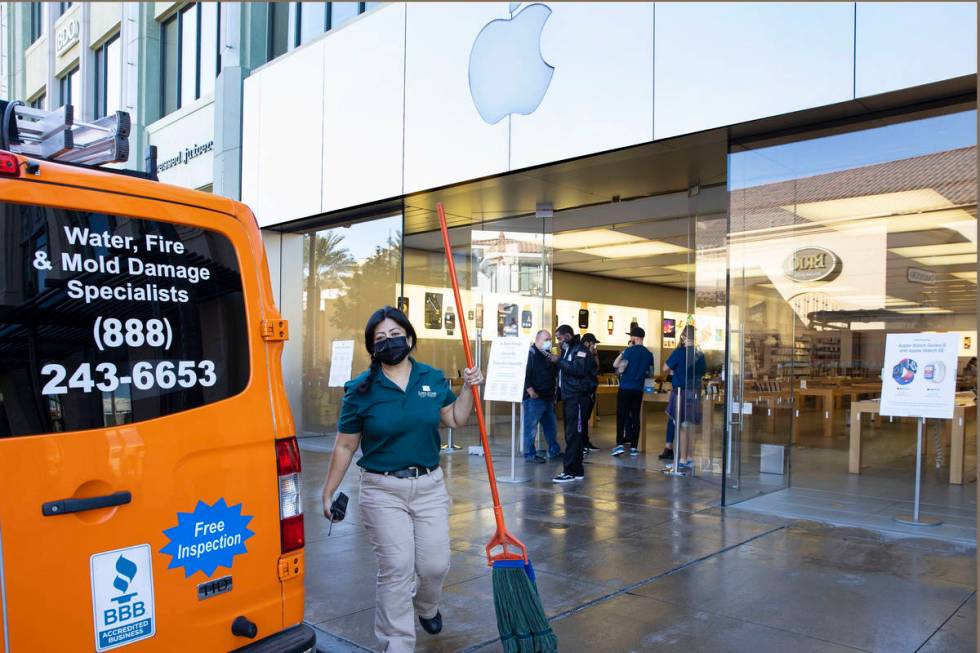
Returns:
(625,214)
(632,214)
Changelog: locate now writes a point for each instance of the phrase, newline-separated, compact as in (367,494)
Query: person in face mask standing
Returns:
(576,370)
(539,398)
(393,412)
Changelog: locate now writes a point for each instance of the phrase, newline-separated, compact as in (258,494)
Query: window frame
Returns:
(327,21)
(178,16)
(101,95)
(36,27)
(65,84)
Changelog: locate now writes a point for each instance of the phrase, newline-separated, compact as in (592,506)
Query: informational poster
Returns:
(919,377)
(341,362)
(505,370)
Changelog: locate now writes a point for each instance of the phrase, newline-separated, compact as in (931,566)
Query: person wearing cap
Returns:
(592,343)
(576,368)
(634,365)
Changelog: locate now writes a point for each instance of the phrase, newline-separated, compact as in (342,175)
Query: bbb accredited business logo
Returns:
(122,596)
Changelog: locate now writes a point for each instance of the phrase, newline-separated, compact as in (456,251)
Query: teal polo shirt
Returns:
(399,428)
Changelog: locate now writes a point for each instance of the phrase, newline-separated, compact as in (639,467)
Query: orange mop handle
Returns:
(510,548)
(469,361)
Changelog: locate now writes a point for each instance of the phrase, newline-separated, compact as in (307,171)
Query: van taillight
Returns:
(290,498)
(9,165)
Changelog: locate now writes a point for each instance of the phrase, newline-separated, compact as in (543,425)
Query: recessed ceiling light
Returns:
(634,250)
(591,238)
(922,310)
(682,267)
(955,259)
(935,250)
(969,276)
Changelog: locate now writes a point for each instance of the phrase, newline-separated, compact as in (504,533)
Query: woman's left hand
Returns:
(472,376)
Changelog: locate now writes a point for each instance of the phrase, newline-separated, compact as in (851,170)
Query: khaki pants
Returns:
(407,521)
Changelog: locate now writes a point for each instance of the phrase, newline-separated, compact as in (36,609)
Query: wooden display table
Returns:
(954,428)
(830,399)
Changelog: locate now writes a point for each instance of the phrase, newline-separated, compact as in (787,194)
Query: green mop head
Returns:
(520,616)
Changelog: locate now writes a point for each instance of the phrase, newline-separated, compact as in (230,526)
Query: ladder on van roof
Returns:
(56,136)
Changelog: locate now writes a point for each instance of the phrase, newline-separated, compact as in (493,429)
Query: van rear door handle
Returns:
(63,506)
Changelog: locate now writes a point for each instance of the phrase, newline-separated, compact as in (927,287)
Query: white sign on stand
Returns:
(505,369)
(341,362)
(919,380)
(919,377)
(505,382)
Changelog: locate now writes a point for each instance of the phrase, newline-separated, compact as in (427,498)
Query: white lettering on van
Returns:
(84,236)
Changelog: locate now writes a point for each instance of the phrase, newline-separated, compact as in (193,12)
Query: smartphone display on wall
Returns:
(507,319)
(433,310)
(450,320)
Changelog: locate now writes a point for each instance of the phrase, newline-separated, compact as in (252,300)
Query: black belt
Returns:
(408,472)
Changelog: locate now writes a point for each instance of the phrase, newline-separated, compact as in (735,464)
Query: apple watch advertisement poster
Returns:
(919,376)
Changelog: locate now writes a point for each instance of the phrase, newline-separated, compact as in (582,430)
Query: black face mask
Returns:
(391,351)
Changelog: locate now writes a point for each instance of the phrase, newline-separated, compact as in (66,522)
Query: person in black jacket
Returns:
(576,371)
(539,398)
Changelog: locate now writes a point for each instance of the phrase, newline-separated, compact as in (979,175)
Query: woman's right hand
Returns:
(326,505)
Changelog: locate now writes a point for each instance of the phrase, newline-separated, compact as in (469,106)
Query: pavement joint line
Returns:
(952,614)
(632,586)
(321,633)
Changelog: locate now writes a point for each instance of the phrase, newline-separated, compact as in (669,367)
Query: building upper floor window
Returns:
(278,29)
(189,55)
(37,24)
(39,102)
(314,18)
(70,87)
(63,7)
(108,77)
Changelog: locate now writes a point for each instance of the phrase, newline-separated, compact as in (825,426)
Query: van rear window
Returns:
(107,320)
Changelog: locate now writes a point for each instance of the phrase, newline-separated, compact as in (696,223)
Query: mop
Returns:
(521,621)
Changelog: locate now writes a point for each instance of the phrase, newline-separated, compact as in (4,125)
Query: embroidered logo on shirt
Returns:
(581,354)
(427,393)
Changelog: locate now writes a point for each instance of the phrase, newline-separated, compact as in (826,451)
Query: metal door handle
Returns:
(63,506)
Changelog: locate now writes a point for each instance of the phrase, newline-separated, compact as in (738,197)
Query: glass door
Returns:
(836,239)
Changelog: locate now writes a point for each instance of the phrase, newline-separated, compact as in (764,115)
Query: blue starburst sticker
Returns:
(208,538)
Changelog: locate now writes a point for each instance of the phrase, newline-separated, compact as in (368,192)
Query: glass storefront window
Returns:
(348,273)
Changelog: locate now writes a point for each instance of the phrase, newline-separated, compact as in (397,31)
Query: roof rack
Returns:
(56,135)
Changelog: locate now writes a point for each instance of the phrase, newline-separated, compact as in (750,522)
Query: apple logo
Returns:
(507,72)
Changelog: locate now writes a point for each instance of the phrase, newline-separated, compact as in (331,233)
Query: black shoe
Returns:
(591,447)
(536,459)
(666,454)
(432,626)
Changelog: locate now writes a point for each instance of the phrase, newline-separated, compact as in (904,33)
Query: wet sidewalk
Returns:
(631,560)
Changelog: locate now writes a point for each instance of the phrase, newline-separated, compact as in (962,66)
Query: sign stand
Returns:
(450,446)
(514,478)
(915,519)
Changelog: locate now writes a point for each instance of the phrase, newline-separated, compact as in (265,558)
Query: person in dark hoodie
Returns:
(539,398)
(576,370)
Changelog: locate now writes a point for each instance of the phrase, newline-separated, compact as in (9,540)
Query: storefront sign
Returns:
(66,36)
(919,377)
(185,147)
(185,155)
(918,275)
(811,264)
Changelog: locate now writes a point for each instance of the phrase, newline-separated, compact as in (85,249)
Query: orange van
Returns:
(149,477)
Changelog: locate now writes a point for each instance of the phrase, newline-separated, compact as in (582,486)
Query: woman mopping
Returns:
(393,412)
